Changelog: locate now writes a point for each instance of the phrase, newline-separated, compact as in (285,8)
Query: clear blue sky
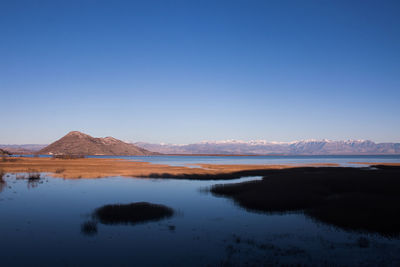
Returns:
(186,71)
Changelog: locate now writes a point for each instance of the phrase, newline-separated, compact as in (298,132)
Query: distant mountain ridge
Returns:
(262,147)
(22,149)
(253,147)
(79,143)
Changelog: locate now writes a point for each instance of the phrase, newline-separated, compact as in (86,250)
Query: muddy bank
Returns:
(359,199)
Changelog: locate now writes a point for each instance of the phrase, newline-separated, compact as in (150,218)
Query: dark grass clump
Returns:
(217,176)
(133,213)
(33,175)
(363,242)
(2,174)
(4,152)
(359,199)
(89,228)
(3,183)
(5,158)
(68,156)
(60,170)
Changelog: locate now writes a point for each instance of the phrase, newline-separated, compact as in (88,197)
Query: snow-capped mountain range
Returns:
(263,147)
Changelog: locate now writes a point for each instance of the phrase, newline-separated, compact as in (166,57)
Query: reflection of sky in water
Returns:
(42,225)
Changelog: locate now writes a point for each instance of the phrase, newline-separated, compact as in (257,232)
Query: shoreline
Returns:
(106,167)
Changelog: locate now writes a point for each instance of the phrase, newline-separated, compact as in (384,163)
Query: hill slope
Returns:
(79,143)
(4,152)
(22,149)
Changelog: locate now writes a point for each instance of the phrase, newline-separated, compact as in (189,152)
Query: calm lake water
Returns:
(187,160)
(41,225)
(344,160)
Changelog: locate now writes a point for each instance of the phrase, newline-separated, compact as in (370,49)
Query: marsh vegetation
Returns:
(3,183)
(2,174)
(358,199)
(33,175)
(60,170)
(133,213)
(89,228)
(5,158)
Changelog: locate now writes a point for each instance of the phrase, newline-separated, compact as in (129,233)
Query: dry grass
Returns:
(103,167)
(8,159)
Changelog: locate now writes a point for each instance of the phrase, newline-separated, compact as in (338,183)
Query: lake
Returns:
(41,224)
(187,160)
(343,160)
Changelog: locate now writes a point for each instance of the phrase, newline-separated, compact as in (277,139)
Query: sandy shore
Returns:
(100,167)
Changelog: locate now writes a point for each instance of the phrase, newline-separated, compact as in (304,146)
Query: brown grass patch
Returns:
(104,167)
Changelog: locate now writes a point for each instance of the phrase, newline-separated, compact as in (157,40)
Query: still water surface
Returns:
(344,160)
(41,225)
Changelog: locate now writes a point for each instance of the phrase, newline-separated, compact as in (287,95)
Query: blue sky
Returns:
(186,71)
